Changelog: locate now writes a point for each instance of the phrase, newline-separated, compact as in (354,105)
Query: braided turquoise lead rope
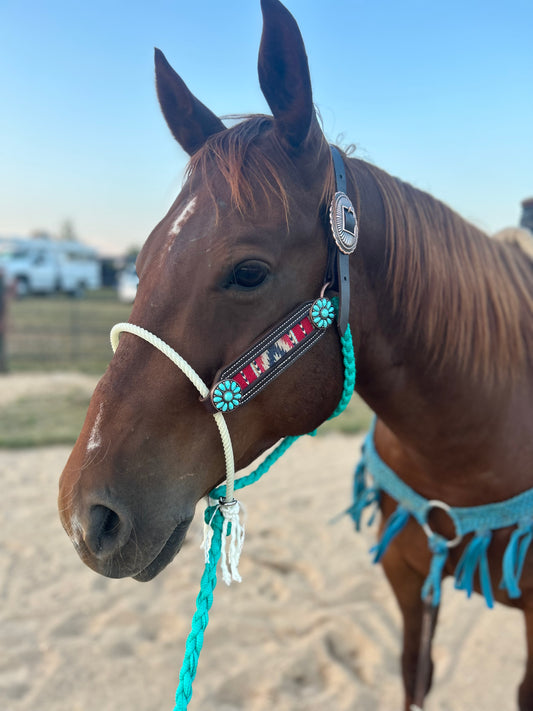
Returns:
(215,519)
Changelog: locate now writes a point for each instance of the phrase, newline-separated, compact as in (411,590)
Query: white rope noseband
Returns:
(195,379)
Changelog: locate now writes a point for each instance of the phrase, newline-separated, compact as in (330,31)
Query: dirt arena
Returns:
(313,625)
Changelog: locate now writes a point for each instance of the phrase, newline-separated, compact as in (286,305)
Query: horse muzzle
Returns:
(112,543)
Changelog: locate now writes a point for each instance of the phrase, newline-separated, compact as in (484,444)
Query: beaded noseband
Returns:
(238,382)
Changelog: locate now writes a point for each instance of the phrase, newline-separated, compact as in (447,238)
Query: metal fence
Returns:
(59,333)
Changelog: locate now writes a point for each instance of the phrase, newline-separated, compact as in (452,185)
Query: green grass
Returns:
(43,420)
(50,419)
(355,419)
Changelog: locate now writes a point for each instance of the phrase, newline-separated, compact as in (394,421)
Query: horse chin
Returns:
(166,555)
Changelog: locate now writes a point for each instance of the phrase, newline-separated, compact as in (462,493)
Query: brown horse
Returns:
(441,316)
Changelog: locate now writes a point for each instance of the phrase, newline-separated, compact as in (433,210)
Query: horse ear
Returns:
(284,73)
(190,122)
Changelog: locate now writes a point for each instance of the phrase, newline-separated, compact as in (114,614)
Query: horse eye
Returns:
(248,275)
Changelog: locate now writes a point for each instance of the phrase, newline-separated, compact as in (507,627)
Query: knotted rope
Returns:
(222,518)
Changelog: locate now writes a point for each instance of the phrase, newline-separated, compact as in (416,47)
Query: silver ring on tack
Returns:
(436,504)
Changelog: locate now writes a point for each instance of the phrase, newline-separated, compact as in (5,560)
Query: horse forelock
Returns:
(249,173)
(464,299)
(255,165)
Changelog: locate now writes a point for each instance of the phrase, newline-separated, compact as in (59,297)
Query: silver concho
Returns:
(343,223)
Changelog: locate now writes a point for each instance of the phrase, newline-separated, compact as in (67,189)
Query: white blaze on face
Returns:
(95,439)
(185,214)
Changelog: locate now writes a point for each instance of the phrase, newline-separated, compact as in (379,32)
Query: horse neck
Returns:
(416,393)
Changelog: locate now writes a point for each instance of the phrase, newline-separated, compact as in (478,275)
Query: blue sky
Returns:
(437,93)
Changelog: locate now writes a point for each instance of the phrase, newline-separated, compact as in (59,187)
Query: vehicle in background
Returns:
(127,282)
(44,266)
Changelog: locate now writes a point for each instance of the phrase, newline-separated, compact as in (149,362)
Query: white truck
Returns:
(44,266)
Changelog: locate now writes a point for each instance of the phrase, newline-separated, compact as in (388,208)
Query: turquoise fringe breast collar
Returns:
(372,476)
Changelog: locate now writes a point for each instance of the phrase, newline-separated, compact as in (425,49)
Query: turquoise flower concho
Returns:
(227,395)
(322,312)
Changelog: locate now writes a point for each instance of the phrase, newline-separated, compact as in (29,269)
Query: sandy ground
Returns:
(313,625)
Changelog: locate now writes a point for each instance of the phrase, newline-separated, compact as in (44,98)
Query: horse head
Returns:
(243,244)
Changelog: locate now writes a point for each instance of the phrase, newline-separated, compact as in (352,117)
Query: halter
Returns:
(242,380)
(238,382)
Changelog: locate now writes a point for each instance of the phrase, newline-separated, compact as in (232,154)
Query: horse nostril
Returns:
(106,532)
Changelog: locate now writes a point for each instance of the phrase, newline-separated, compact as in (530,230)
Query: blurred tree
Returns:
(40,234)
(131,254)
(67,232)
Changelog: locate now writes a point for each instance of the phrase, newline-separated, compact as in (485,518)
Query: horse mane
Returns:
(461,297)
